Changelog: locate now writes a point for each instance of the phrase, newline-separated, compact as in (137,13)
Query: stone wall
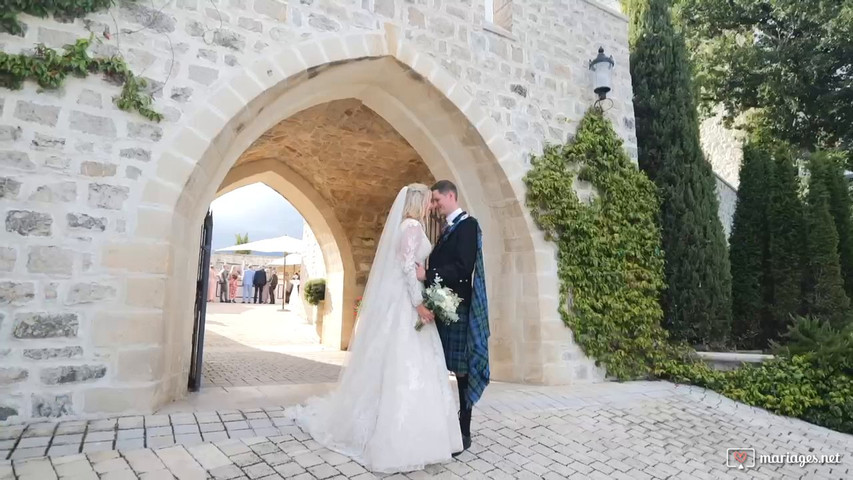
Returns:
(90,193)
(312,256)
(217,259)
(722,147)
(727,196)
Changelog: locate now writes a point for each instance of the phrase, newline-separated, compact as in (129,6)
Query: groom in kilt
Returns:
(457,259)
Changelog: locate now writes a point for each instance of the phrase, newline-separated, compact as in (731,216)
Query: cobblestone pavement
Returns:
(261,345)
(637,430)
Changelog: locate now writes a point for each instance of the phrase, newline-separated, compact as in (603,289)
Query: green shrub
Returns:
(315,291)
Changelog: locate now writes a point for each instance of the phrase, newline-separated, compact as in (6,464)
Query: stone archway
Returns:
(453,136)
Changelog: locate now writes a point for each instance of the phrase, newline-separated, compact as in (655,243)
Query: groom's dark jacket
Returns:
(453,259)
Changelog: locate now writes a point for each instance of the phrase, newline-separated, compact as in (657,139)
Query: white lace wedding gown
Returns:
(393,409)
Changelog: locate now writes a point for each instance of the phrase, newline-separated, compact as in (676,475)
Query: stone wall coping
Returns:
(735,357)
(604,8)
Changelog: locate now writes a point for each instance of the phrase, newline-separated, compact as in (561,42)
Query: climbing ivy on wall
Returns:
(610,257)
(49,69)
(42,8)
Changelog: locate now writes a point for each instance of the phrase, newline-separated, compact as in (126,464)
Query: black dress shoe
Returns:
(466,444)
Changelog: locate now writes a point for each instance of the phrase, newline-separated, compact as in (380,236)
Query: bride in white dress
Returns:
(393,409)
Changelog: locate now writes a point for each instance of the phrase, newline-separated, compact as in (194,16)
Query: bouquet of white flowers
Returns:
(441,301)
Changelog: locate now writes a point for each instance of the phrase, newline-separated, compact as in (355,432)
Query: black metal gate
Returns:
(201,294)
(434,222)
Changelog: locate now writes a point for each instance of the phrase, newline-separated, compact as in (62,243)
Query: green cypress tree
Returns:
(697,303)
(839,206)
(824,295)
(786,244)
(748,246)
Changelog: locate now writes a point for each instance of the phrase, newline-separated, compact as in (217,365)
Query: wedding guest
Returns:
(273,284)
(248,280)
(211,284)
(223,285)
(232,283)
(259,282)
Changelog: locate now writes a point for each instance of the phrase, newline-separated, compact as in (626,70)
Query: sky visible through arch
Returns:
(254,209)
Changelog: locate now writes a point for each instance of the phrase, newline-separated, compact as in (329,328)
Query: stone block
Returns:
(250,24)
(206,54)
(93,124)
(153,223)
(45,325)
(72,374)
(16,293)
(19,160)
(110,197)
(156,20)
(52,406)
(90,98)
(181,94)
(53,353)
(203,75)
(274,9)
(57,163)
(11,375)
(33,112)
(136,257)
(228,102)
(160,193)
(140,365)
(228,39)
(8,256)
(9,188)
(7,411)
(62,192)
(335,49)
(385,8)
(50,260)
(9,133)
(89,293)
(146,292)
(175,169)
(98,169)
(56,39)
(43,143)
(144,131)
(82,221)
(323,23)
(132,172)
(139,154)
(116,400)
(117,329)
(28,223)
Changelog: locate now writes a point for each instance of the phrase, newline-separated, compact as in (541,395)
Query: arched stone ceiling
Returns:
(354,158)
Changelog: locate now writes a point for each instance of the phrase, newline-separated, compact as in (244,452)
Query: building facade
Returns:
(336,105)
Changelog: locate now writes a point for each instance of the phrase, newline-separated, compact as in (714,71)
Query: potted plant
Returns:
(315,291)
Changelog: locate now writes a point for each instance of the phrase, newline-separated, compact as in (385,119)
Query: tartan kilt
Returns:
(454,340)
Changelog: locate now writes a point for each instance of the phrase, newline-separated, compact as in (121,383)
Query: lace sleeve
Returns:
(406,255)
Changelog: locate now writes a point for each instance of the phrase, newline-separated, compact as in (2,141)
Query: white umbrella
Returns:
(284,244)
(291,259)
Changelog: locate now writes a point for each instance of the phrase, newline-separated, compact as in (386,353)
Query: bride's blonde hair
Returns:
(417,201)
